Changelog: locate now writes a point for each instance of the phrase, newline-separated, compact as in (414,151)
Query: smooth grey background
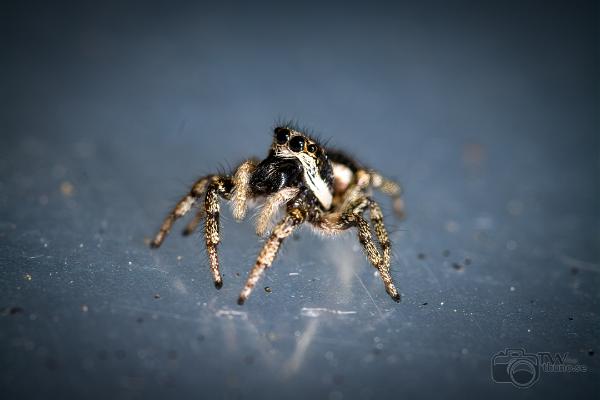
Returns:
(486,113)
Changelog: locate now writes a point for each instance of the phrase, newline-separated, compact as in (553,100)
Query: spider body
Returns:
(319,186)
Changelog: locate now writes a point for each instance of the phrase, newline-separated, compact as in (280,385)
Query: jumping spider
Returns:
(320,186)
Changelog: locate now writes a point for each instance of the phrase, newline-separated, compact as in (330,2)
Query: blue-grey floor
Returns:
(488,116)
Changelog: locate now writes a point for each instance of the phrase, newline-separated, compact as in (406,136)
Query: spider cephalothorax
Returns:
(320,186)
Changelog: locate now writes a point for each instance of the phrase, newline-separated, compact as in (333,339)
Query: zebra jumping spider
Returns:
(318,185)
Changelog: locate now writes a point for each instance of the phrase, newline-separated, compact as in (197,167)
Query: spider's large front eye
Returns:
(297,143)
(311,148)
(282,135)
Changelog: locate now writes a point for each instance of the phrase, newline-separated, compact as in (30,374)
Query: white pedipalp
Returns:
(312,178)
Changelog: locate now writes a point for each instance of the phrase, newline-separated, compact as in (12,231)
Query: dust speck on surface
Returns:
(16,310)
(452,226)
(421,256)
(84,308)
(157,296)
(268,289)
(591,353)
(457,266)
(67,189)
(27,277)
(424,304)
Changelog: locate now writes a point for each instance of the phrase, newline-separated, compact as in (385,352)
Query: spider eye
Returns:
(312,148)
(297,143)
(282,135)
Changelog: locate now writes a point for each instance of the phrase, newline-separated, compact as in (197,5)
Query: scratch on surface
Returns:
(314,312)
(231,314)
(296,359)
(585,265)
(368,294)
(32,257)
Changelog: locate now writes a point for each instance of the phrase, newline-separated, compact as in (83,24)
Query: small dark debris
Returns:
(574,270)
(268,289)
(468,261)
(172,355)
(16,310)
(425,303)
(591,353)
(532,301)
(140,320)
(570,318)
(157,296)
(120,354)
(457,266)
(237,274)
(421,256)
(249,360)
(446,253)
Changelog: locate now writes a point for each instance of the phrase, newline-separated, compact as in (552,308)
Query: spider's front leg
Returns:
(182,207)
(294,217)
(353,216)
(235,188)
(238,190)
(220,186)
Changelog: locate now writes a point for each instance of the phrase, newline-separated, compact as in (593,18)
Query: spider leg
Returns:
(353,217)
(219,186)
(283,229)
(376,217)
(242,190)
(270,207)
(193,224)
(390,188)
(182,207)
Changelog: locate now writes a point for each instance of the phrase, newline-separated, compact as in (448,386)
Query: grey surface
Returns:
(488,117)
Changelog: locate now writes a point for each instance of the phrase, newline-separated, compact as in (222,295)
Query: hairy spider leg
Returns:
(241,193)
(353,217)
(390,188)
(182,207)
(194,222)
(376,217)
(283,229)
(271,206)
(220,186)
(242,190)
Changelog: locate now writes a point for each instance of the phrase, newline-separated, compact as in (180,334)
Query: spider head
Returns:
(289,143)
